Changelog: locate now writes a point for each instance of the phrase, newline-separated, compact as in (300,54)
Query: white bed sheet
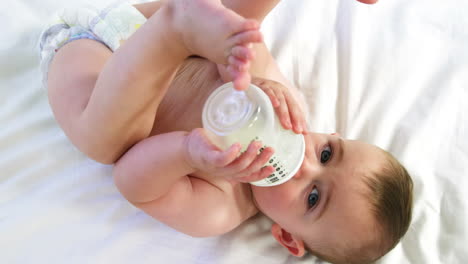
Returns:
(394,74)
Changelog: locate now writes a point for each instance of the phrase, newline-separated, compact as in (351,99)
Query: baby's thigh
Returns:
(72,77)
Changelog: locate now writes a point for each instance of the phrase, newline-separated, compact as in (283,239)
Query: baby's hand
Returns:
(285,105)
(248,166)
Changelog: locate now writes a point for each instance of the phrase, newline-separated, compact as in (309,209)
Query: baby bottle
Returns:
(233,116)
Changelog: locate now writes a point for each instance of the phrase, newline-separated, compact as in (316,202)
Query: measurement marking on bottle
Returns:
(274,180)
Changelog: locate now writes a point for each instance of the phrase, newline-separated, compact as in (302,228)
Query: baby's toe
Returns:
(250,24)
(243,52)
(246,37)
(242,81)
(238,64)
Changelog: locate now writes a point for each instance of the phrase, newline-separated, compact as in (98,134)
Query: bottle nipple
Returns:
(227,111)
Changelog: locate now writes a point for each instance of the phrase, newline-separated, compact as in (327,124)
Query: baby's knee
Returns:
(105,154)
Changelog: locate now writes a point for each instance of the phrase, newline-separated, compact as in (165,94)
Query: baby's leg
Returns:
(106,110)
(224,41)
(252,9)
(264,65)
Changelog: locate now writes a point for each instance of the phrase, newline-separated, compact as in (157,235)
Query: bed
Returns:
(394,74)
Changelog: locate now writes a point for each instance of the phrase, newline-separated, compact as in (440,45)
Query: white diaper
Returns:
(110,26)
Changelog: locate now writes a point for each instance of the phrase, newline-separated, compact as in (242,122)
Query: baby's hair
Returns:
(390,194)
(391,199)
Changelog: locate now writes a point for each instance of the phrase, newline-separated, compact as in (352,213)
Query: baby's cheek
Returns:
(285,196)
(269,199)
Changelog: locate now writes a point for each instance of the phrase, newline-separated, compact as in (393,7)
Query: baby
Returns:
(135,101)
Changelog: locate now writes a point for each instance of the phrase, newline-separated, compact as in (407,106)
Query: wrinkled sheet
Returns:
(394,74)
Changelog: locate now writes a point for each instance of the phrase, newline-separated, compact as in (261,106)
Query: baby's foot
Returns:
(210,30)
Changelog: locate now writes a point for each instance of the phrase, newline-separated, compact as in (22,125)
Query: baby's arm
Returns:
(148,170)
(153,176)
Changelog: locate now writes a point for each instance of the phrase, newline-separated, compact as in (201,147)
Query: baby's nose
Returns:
(306,170)
(310,168)
(299,174)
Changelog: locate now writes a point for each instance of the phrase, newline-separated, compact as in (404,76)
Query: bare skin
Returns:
(144,125)
(122,106)
(107,102)
(204,194)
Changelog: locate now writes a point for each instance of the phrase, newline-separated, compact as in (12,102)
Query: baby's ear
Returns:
(294,245)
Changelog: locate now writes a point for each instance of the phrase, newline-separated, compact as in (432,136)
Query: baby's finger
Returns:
(305,127)
(283,112)
(260,161)
(222,158)
(245,159)
(296,114)
(259,175)
(274,100)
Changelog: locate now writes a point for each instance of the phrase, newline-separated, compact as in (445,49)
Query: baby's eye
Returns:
(325,155)
(313,198)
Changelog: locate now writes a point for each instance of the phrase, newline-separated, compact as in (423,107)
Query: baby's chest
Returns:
(182,106)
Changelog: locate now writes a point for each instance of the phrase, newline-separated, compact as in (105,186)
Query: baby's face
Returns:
(325,202)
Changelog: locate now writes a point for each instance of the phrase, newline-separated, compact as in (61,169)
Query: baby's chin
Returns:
(261,197)
(254,196)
